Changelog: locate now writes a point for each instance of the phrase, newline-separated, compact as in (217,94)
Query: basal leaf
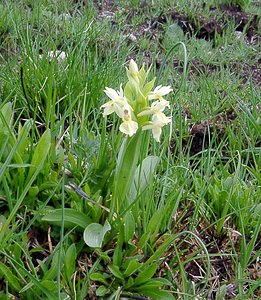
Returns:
(146,274)
(69,261)
(40,153)
(156,293)
(12,280)
(72,218)
(143,175)
(94,234)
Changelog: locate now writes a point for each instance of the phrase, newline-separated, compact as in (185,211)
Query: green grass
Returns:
(192,227)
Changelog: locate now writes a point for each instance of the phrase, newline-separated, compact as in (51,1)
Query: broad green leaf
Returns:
(12,280)
(49,285)
(116,271)
(132,267)
(102,291)
(129,226)
(130,283)
(143,175)
(72,218)
(99,277)
(40,153)
(52,271)
(23,133)
(148,87)
(156,293)
(6,112)
(94,234)
(69,261)
(13,151)
(118,252)
(152,229)
(163,281)
(146,274)
(151,283)
(125,168)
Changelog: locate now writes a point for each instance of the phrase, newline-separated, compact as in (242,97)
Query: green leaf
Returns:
(152,229)
(143,175)
(49,285)
(118,252)
(94,234)
(125,169)
(116,271)
(148,87)
(12,280)
(101,291)
(129,226)
(146,274)
(2,221)
(156,294)
(69,261)
(99,277)
(6,112)
(40,153)
(132,267)
(52,271)
(72,218)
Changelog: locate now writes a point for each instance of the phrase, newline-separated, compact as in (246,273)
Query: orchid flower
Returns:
(159,92)
(156,128)
(128,126)
(115,104)
(132,104)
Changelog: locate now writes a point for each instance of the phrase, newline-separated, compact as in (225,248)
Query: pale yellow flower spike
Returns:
(131,103)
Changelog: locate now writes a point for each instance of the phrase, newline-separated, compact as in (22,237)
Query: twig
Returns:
(82,194)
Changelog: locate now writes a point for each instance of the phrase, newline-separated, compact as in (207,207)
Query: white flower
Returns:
(116,103)
(157,108)
(159,92)
(128,126)
(156,127)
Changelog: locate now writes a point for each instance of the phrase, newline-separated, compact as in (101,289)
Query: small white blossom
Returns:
(159,92)
(156,126)
(157,108)
(128,126)
(115,104)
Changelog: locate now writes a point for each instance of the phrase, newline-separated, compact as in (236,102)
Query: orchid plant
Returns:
(132,104)
(141,107)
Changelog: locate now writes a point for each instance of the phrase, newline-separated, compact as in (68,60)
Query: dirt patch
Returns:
(201,134)
(204,28)
(219,246)
(198,26)
(38,238)
(244,71)
(242,20)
